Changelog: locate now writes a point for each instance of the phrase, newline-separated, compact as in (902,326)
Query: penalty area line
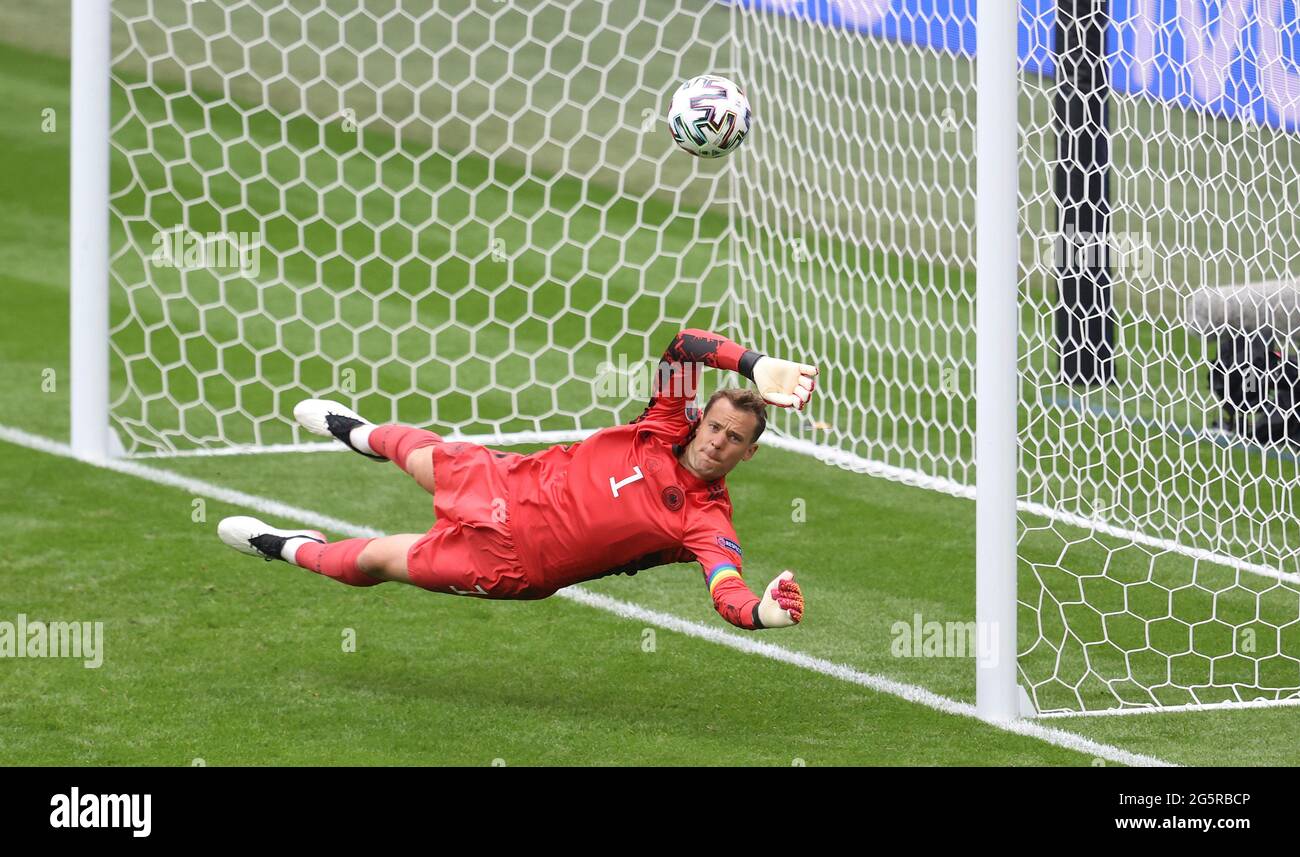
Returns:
(745,644)
(193,486)
(909,692)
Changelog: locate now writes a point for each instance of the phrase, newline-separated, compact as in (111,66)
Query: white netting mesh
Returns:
(465,208)
(1157,555)
(856,209)
(1191,595)
(462,209)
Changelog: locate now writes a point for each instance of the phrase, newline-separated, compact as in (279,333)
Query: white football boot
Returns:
(330,419)
(255,538)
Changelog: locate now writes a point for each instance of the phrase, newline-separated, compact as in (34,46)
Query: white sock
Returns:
(290,548)
(360,437)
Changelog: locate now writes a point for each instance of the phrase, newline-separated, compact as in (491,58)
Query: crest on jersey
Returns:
(727,543)
(673,498)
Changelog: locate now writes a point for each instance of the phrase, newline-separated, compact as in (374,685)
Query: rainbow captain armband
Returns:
(720,572)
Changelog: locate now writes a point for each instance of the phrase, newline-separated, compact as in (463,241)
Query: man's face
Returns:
(721,442)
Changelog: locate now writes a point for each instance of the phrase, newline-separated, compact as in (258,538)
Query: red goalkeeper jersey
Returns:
(620,501)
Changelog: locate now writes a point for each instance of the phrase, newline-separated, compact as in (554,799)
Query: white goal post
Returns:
(468,214)
(996,337)
(88,212)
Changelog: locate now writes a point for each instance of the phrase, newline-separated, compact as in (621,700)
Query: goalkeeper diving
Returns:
(627,498)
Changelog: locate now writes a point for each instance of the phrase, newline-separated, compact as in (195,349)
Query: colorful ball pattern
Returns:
(709,116)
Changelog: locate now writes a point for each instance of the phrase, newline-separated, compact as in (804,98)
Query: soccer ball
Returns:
(709,116)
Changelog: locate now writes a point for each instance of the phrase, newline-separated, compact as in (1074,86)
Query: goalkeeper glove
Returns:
(782,604)
(784,383)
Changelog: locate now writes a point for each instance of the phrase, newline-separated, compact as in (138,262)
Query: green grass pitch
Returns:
(217,657)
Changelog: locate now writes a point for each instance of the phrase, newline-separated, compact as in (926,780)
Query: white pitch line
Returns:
(193,486)
(748,645)
(499,439)
(1230,705)
(880,684)
(225,451)
(858,464)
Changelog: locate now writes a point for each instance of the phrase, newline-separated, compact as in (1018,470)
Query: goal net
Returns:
(464,214)
(468,215)
(1158,555)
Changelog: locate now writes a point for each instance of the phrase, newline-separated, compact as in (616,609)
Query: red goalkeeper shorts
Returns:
(471,551)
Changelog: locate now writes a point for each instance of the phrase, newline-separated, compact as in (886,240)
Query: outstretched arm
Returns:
(780,607)
(713,543)
(712,349)
(781,382)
